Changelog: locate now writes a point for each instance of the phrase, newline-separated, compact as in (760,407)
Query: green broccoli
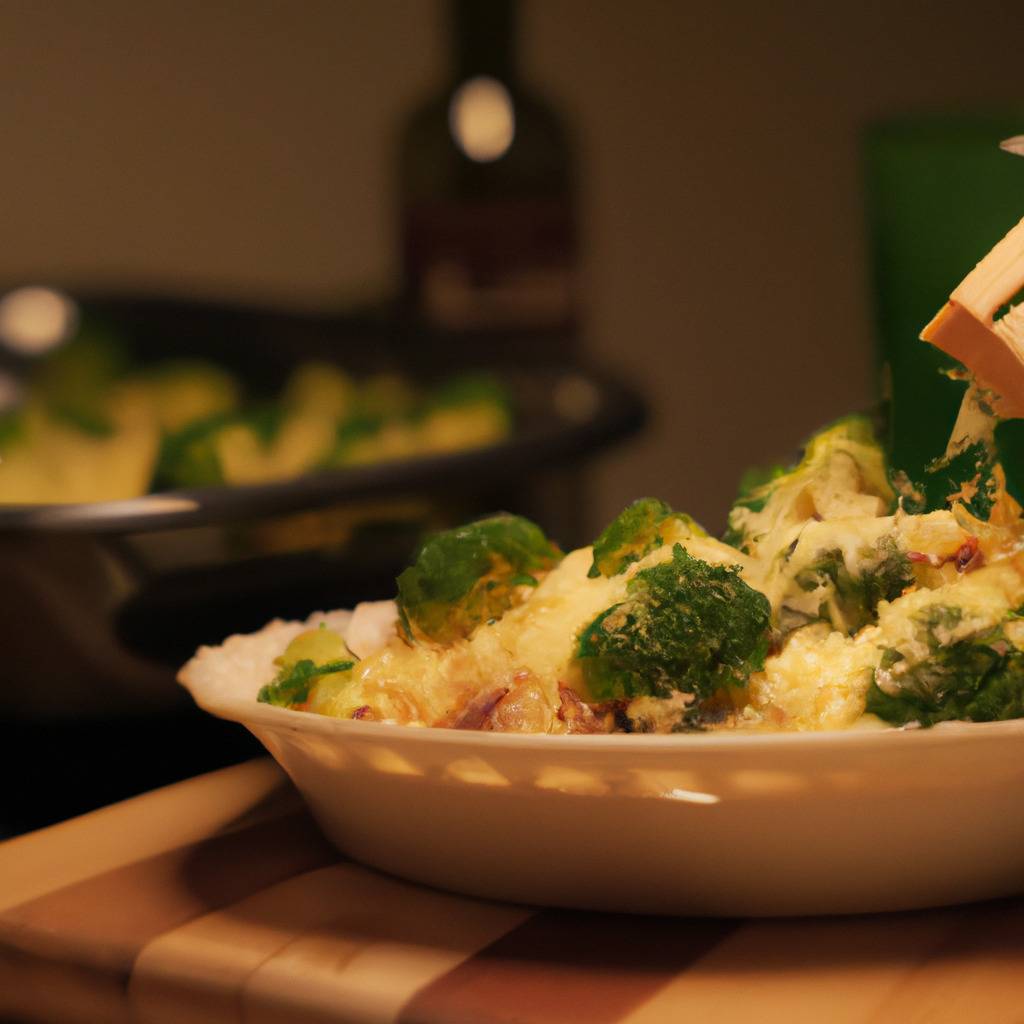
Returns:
(977,679)
(85,367)
(190,457)
(686,625)
(353,434)
(633,533)
(464,412)
(74,383)
(470,575)
(849,598)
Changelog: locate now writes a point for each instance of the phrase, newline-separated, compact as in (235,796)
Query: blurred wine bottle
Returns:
(487,212)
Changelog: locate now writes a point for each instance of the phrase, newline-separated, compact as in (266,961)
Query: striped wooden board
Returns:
(217,900)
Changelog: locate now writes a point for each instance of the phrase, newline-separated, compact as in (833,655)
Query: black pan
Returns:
(102,602)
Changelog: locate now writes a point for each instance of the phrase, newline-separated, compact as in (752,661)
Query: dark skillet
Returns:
(102,602)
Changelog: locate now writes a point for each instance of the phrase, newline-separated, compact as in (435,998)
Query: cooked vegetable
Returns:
(186,391)
(73,384)
(635,532)
(189,457)
(186,423)
(312,655)
(465,412)
(320,387)
(292,684)
(364,439)
(685,626)
(848,595)
(842,473)
(69,454)
(977,679)
(263,444)
(197,455)
(466,576)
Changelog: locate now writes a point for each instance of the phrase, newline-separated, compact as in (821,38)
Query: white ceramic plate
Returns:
(717,824)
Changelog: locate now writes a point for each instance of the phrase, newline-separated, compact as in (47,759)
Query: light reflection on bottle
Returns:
(35,319)
(482,119)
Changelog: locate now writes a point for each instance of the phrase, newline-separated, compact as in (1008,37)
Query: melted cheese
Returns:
(820,679)
(529,651)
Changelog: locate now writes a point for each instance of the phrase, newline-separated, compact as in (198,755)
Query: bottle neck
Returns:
(483,34)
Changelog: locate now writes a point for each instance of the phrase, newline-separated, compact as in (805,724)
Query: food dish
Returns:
(91,426)
(721,823)
(778,802)
(847,591)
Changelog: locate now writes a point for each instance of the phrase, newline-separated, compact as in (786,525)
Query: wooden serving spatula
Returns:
(965,328)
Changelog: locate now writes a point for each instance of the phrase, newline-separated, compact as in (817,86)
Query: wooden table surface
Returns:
(217,900)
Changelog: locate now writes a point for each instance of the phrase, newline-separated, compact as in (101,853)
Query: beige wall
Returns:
(244,150)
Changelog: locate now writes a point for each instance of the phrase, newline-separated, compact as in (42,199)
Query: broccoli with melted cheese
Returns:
(979,678)
(847,590)
(842,474)
(636,531)
(685,625)
(470,575)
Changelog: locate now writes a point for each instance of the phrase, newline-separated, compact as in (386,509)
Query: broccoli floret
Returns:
(685,625)
(353,437)
(633,533)
(976,679)
(83,369)
(189,458)
(464,412)
(849,598)
(194,455)
(841,473)
(470,575)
